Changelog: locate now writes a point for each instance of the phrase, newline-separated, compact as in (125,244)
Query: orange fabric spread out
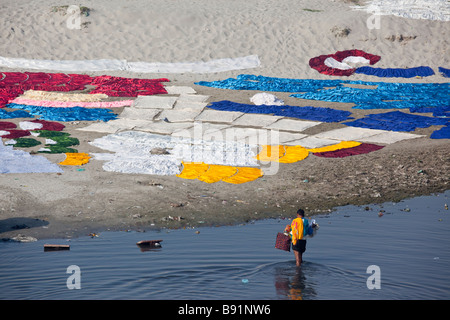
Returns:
(75,159)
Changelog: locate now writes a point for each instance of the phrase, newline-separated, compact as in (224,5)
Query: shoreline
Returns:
(41,229)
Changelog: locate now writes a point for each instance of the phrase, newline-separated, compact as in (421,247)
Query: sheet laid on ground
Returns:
(306,113)
(217,65)
(19,161)
(414,9)
(66,114)
(396,121)
(421,71)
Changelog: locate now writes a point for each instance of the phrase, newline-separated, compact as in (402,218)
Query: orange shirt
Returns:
(297,230)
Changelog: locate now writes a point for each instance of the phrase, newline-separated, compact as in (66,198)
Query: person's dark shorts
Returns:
(300,246)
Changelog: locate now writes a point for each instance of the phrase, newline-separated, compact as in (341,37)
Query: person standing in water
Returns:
(298,226)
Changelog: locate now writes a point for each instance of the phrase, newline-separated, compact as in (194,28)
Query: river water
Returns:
(358,253)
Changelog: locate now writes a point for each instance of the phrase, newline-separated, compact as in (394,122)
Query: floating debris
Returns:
(147,245)
(56,247)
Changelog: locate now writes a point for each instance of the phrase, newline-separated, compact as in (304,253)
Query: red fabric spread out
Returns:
(16,133)
(8,93)
(7,125)
(37,77)
(13,84)
(11,78)
(341,153)
(318,63)
(13,134)
(128,87)
(49,125)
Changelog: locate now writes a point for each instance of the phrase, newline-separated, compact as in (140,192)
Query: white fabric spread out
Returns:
(344,65)
(217,65)
(366,135)
(64,65)
(134,153)
(19,161)
(413,9)
(28,125)
(265,98)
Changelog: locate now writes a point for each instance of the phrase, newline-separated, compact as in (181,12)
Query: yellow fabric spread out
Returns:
(216,173)
(271,153)
(211,173)
(294,154)
(62,96)
(283,154)
(192,170)
(334,147)
(297,230)
(75,159)
(244,174)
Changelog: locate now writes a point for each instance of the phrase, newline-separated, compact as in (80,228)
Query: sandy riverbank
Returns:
(284,35)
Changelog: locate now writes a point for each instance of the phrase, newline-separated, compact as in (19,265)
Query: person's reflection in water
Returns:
(291,284)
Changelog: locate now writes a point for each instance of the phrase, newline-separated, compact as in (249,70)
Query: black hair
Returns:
(301,212)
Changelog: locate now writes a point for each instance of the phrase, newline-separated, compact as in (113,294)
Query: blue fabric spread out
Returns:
(396,72)
(385,95)
(67,114)
(445,72)
(14,114)
(443,133)
(396,121)
(439,112)
(305,113)
(252,82)
(368,95)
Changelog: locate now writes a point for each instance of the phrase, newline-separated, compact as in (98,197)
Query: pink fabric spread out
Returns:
(341,153)
(71,104)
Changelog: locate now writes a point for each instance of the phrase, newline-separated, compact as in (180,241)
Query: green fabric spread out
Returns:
(58,149)
(51,134)
(64,141)
(26,143)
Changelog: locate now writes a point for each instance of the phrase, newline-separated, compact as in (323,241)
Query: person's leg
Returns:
(300,248)
(298,258)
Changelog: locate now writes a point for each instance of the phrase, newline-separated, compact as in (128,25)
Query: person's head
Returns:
(301,213)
